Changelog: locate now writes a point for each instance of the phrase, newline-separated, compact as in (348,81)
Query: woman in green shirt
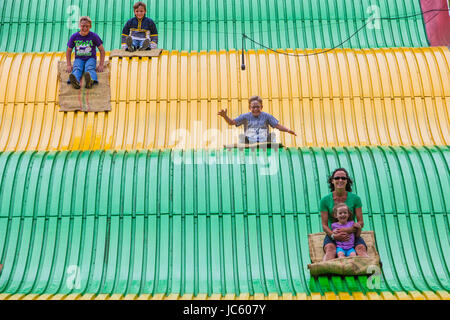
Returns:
(341,187)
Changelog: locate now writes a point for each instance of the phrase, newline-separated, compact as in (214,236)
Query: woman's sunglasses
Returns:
(340,178)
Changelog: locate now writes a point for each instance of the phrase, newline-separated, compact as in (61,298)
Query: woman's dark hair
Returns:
(348,186)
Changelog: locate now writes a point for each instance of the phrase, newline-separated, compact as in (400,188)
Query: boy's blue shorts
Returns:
(346,252)
(358,241)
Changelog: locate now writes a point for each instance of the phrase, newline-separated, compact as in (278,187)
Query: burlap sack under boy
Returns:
(144,53)
(349,266)
(97,99)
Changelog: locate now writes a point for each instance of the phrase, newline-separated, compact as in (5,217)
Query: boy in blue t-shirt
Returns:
(139,33)
(85,43)
(256,123)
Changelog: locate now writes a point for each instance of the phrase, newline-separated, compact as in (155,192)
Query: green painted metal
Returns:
(45,25)
(224,221)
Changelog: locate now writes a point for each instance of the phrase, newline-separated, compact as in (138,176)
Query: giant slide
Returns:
(144,201)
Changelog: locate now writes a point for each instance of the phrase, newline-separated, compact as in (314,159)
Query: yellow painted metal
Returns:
(412,295)
(78,296)
(429,295)
(243,296)
(416,295)
(88,296)
(387,296)
(201,296)
(373,296)
(302,296)
(316,296)
(444,295)
(359,296)
(273,296)
(287,296)
(173,296)
(402,296)
(344,97)
(345,296)
(330,296)
(258,296)
(130,296)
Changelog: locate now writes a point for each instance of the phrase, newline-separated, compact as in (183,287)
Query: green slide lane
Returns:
(46,25)
(205,222)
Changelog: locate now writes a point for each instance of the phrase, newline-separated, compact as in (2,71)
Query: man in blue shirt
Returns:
(256,123)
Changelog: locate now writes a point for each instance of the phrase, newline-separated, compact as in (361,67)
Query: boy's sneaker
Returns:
(73,81)
(89,81)
(130,46)
(145,45)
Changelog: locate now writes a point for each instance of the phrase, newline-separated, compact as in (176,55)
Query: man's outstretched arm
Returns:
(223,114)
(284,129)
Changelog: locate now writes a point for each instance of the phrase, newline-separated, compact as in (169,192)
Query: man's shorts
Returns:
(358,241)
(345,251)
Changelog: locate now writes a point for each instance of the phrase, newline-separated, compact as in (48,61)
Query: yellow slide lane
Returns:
(344,97)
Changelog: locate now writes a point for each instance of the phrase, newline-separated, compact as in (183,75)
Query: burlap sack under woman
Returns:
(349,266)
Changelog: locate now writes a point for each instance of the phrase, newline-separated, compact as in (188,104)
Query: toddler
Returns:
(342,214)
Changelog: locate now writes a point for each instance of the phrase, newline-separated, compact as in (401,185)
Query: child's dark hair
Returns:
(348,186)
(140,4)
(341,205)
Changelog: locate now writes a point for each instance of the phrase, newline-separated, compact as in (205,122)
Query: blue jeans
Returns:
(358,241)
(138,43)
(81,66)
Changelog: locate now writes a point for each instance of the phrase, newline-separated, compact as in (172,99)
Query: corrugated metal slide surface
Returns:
(193,223)
(46,25)
(344,97)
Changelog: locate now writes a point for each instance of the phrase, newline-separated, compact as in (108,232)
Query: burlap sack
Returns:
(345,266)
(145,53)
(259,145)
(97,99)
(349,266)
